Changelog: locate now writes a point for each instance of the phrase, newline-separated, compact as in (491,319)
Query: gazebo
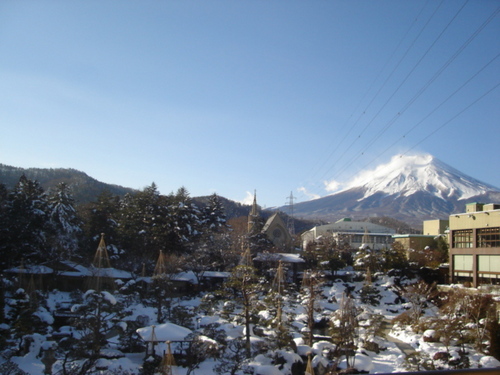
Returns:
(162,333)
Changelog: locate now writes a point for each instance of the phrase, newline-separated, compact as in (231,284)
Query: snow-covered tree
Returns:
(394,257)
(161,290)
(97,315)
(212,251)
(418,295)
(144,224)
(310,293)
(234,357)
(65,223)
(100,217)
(344,328)
(25,236)
(185,221)
(244,286)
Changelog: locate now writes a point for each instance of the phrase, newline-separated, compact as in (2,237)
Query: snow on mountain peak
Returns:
(405,175)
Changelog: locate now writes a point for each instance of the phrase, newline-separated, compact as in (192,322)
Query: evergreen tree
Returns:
(233,358)
(214,216)
(144,224)
(441,251)
(186,221)
(395,257)
(27,225)
(97,315)
(244,286)
(64,222)
(212,251)
(99,217)
(4,226)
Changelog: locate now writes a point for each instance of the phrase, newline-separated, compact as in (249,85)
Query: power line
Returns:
(385,82)
(454,117)
(351,128)
(436,108)
(428,83)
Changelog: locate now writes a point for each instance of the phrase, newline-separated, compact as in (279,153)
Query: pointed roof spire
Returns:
(254,214)
(254,211)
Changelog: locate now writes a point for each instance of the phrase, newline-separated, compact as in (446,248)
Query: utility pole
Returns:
(290,224)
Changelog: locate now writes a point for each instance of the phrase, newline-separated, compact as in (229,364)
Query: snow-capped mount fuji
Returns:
(408,188)
(407,175)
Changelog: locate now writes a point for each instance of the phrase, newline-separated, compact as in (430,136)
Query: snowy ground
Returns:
(390,359)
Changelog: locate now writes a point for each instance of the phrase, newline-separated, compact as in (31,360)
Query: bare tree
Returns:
(418,295)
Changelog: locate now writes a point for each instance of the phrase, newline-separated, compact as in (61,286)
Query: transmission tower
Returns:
(290,224)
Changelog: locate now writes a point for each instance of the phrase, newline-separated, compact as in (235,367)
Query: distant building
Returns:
(474,239)
(417,242)
(435,227)
(355,233)
(274,228)
(277,232)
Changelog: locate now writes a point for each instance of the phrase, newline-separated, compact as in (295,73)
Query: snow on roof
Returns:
(164,332)
(284,257)
(38,270)
(291,258)
(188,276)
(110,272)
(75,269)
(216,274)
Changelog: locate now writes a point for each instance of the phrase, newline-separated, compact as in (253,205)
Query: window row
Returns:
(485,237)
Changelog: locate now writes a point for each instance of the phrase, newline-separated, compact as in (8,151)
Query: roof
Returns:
(37,270)
(413,235)
(164,332)
(344,219)
(216,274)
(284,257)
(349,226)
(109,272)
(271,219)
(71,269)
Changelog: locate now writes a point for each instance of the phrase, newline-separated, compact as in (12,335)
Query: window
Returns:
(488,237)
(462,238)
(462,265)
(488,263)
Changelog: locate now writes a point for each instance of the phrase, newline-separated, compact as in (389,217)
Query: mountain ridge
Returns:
(408,188)
(85,188)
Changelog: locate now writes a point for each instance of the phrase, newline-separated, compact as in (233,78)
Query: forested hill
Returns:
(84,188)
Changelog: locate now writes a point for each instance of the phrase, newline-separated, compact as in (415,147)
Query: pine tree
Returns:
(244,285)
(97,315)
(64,222)
(26,233)
(144,224)
(99,217)
(214,216)
(212,250)
(186,221)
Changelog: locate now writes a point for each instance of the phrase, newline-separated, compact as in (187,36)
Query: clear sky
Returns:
(234,96)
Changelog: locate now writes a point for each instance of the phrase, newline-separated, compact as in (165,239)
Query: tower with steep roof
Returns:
(254,217)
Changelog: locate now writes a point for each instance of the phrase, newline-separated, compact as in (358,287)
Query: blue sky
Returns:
(236,96)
